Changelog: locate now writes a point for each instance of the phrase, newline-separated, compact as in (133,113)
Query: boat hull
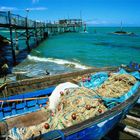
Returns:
(93,128)
(97,127)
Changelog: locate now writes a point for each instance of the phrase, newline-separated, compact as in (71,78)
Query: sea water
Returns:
(71,51)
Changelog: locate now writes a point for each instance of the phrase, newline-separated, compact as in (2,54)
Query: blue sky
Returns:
(96,12)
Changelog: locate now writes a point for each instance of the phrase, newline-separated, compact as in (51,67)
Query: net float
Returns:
(77,101)
(100,110)
(120,79)
(83,79)
(64,102)
(46,126)
(88,107)
(73,116)
(52,114)
(59,107)
(116,79)
(103,86)
(89,79)
(67,91)
(62,93)
(100,100)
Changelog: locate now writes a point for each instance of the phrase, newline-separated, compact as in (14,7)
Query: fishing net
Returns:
(116,85)
(79,104)
(76,105)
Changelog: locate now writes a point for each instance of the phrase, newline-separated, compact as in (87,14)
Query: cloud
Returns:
(4,8)
(97,22)
(35,1)
(38,9)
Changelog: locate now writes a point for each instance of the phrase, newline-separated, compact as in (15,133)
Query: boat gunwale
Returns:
(57,76)
(39,83)
(97,119)
(117,110)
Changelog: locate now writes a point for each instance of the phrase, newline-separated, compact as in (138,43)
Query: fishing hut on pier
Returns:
(31,32)
(71,24)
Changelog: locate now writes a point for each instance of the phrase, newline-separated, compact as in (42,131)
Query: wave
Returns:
(58,61)
(84,32)
(4,31)
(7,31)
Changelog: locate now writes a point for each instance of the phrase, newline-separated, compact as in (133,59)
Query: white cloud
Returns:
(4,8)
(97,22)
(37,8)
(35,1)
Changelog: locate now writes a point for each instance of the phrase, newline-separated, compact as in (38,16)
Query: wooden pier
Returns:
(22,28)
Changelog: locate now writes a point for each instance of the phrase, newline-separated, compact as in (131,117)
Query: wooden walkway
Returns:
(22,28)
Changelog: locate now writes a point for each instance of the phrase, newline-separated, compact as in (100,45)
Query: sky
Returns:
(93,12)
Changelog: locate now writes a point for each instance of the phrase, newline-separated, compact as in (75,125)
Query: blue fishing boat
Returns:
(29,96)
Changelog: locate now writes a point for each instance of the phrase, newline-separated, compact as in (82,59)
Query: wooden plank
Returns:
(129,130)
(135,112)
(133,118)
(11,38)
(23,99)
(46,81)
(131,121)
(132,131)
(30,119)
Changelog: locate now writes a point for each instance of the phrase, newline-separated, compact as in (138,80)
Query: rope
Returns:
(25,99)
(3,85)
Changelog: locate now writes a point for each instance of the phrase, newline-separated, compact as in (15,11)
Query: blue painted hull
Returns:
(95,129)
(13,109)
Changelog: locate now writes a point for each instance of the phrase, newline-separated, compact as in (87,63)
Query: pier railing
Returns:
(33,29)
(19,21)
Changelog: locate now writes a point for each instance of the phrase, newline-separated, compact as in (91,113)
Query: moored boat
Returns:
(123,33)
(92,128)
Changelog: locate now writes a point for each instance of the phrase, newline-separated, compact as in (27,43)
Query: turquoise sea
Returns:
(72,51)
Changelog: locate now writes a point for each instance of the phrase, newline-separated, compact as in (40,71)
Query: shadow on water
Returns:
(110,44)
(6,56)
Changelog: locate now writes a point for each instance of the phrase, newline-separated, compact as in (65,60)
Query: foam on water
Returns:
(57,61)
(5,31)
(84,32)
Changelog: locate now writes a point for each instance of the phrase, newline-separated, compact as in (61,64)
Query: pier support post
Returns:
(40,30)
(27,35)
(85,27)
(51,30)
(16,38)
(74,28)
(11,38)
(43,31)
(35,27)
